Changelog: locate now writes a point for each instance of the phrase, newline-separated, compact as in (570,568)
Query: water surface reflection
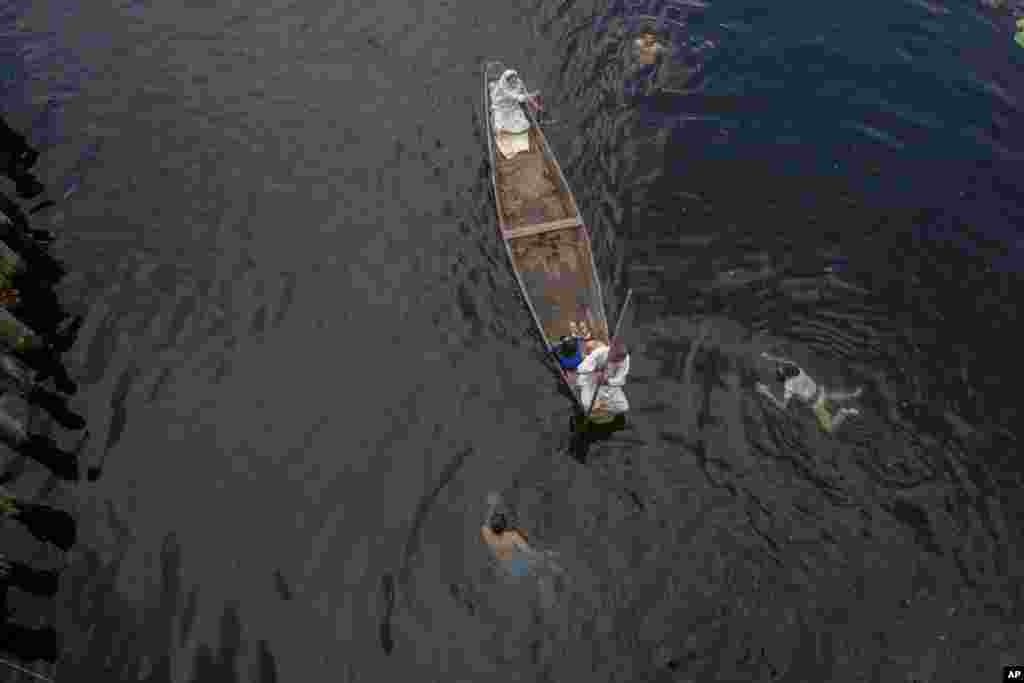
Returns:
(312,363)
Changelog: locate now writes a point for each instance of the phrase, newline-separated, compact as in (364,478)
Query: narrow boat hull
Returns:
(547,242)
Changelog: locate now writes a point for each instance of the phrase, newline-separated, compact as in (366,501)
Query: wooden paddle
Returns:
(539,112)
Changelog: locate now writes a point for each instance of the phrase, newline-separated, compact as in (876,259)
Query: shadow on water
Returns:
(118,419)
(584,436)
(386,607)
(412,548)
(48,524)
(284,591)
(116,638)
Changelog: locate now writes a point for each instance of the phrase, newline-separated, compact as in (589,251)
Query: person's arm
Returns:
(590,362)
(530,99)
(787,395)
(767,393)
(584,371)
(519,538)
(523,95)
(620,371)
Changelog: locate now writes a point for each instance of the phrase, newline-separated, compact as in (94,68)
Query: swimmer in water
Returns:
(648,48)
(508,545)
(514,554)
(799,384)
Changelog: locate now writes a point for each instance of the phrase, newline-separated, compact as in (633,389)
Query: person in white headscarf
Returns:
(507,97)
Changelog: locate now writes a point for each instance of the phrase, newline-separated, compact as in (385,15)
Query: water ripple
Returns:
(827,183)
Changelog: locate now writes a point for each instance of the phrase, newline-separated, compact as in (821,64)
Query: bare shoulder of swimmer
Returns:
(516,538)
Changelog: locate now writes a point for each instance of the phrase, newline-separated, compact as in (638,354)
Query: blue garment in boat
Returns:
(569,362)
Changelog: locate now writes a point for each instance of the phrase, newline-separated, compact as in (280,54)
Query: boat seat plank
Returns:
(526,230)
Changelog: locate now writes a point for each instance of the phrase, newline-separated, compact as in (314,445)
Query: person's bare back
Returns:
(516,557)
(504,545)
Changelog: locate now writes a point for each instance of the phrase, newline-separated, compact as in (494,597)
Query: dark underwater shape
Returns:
(412,543)
(287,297)
(267,664)
(119,414)
(188,618)
(43,450)
(222,667)
(281,585)
(387,607)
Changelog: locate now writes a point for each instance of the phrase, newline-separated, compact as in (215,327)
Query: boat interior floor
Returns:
(530,188)
(555,268)
(512,144)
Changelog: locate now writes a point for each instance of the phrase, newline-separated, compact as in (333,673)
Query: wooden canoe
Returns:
(547,243)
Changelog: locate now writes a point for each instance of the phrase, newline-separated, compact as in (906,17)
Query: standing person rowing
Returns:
(600,377)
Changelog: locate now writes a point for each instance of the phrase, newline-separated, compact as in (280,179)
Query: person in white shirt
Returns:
(603,370)
(798,383)
(508,94)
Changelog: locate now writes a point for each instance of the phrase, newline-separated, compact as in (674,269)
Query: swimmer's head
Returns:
(499,523)
(646,39)
(647,47)
(786,371)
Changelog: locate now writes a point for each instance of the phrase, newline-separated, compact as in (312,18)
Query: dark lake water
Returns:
(305,363)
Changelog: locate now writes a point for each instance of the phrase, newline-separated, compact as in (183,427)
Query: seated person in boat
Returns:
(508,93)
(511,125)
(569,352)
(603,370)
(569,349)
